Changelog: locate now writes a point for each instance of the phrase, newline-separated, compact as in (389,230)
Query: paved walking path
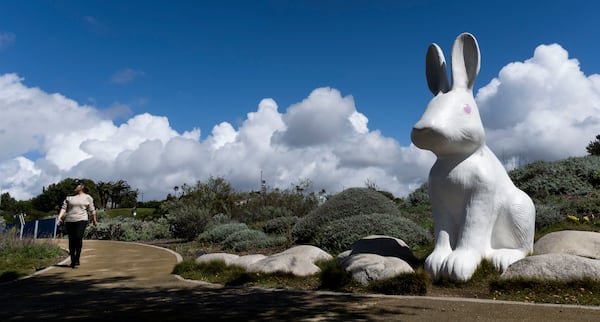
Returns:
(120,281)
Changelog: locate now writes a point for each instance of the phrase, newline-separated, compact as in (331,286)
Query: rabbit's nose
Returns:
(419,131)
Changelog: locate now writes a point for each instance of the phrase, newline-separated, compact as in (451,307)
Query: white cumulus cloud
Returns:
(323,138)
(544,108)
(324,117)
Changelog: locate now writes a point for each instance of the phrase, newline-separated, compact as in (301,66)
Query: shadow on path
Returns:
(40,298)
(120,281)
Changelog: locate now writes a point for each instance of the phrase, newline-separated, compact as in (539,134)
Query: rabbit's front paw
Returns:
(435,262)
(461,264)
(502,258)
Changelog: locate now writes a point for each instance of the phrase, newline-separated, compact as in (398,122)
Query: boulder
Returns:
(227,258)
(309,252)
(299,260)
(580,243)
(247,260)
(554,267)
(366,268)
(384,246)
(377,257)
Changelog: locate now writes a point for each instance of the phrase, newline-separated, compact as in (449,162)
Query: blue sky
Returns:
(201,63)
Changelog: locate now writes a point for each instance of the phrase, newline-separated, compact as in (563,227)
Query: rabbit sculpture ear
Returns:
(465,61)
(435,69)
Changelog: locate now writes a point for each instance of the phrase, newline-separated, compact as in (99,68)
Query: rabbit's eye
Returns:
(467,108)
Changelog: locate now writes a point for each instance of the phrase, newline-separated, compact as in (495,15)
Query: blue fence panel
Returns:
(45,228)
(29,229)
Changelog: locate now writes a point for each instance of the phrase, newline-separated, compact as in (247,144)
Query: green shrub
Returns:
(249,239)
(421,216)
(129,229)
(221,218)
(138,230)
(338,235)
(418,197)
(21,257)
(101,215)
(188,221)
(190,265)
(403,284)
(333,276)
(348,203)
(219,233)
(267,213)
(215,271)
(106,230)
(585,208)
(280,225)
(547,215)
(573,176)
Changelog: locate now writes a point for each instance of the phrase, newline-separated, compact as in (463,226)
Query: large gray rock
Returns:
(385,246)
(554,267)
(309,252)
(299,260)
(377,257)
(580,243)
(227,258)
(247,260)
(231,259)
(366,268)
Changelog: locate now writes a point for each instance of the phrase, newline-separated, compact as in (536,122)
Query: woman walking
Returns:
(76,210)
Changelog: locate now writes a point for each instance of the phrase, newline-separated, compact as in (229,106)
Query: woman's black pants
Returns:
(75,231)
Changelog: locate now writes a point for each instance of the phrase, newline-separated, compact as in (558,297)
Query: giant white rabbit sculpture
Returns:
(477,210)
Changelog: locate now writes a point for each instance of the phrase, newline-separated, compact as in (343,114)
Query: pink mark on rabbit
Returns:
(477,210)
(467,108)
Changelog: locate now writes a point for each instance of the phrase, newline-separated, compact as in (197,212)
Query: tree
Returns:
(116,194)
(104,189)
(216,195)
(7,202)
(594,147)
(8,207)
(53,196)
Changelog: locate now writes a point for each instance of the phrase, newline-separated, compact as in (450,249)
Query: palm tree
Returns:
(118,191)
(103,192)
